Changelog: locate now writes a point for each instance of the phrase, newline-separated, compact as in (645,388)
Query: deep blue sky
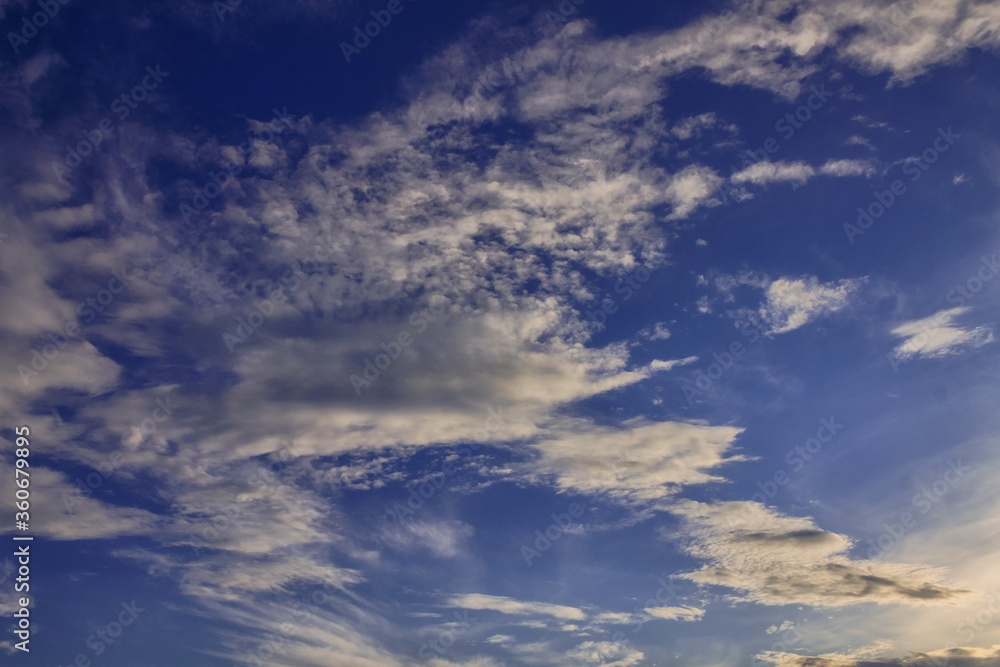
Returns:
(531,336)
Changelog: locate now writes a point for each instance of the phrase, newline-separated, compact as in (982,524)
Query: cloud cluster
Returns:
(639,462)
(773,559)
(481,250)
(956,657)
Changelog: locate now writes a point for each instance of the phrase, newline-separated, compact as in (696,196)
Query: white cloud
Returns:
(638,463)
(38,66)
(772,559)
(692,187)
(444,539)
(69,514)
(868,122)
(763,173)
(660,332)
(422,231)
(695,126)
(472,662)
(847,168)
(676,613)
(500,639)
(938,336)
(856,140)
(506,605)
(904,40)
(607,654)
(659,365)
(791,303)
(963,656)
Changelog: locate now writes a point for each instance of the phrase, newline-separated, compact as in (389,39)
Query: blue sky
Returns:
(504,334)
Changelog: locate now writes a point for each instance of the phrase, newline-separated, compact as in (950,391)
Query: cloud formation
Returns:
(957,657)
(938,336)
(772,559)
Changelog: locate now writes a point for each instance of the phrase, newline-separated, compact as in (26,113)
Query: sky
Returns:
(485,334)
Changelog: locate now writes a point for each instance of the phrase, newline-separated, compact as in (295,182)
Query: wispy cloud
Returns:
(773,559)
(790,303)
(506,605)
(676,613)
(798,173)
(939,336)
